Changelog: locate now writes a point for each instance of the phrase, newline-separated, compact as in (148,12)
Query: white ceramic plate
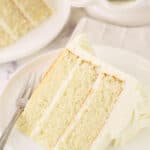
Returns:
(131,13)
(128,62)
(41,36)
(123,12)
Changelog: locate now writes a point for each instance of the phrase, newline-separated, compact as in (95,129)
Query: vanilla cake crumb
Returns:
(81,104)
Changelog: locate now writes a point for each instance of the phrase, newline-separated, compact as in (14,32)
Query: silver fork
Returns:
(22,99)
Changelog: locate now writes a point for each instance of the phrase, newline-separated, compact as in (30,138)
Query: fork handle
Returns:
(9,128)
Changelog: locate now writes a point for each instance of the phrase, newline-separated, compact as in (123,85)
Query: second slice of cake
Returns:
(37,10)
(21,16)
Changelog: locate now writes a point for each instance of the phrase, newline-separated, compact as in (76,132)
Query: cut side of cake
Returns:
(71,99)
(80,104)
(20,16)
(92,117)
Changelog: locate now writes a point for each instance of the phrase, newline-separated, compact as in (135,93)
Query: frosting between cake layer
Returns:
(55,100)
(130,114)
(77,116)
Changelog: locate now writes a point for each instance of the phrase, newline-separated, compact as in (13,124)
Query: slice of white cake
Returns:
(82,104)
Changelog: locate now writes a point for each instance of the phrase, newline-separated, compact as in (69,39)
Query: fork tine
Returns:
(24,87)
(30,87)
(39,78)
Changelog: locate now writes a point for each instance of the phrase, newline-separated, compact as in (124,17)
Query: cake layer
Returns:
(36,9)
(90,121)
(46,91)
(14,18)
(5,38)
(70,102)
(79,107)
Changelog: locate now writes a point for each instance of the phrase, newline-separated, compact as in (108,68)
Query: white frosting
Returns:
(54,101)
(115,123)
(78,116)
(130,114)
(126,119)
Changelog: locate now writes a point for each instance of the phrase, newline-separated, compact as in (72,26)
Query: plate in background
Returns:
(40,36)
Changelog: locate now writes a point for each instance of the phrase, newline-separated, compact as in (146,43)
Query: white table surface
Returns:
(6,70)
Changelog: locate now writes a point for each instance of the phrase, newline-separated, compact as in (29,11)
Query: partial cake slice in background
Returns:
(82,104)
(5,38)
(22,15)
(46,91)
